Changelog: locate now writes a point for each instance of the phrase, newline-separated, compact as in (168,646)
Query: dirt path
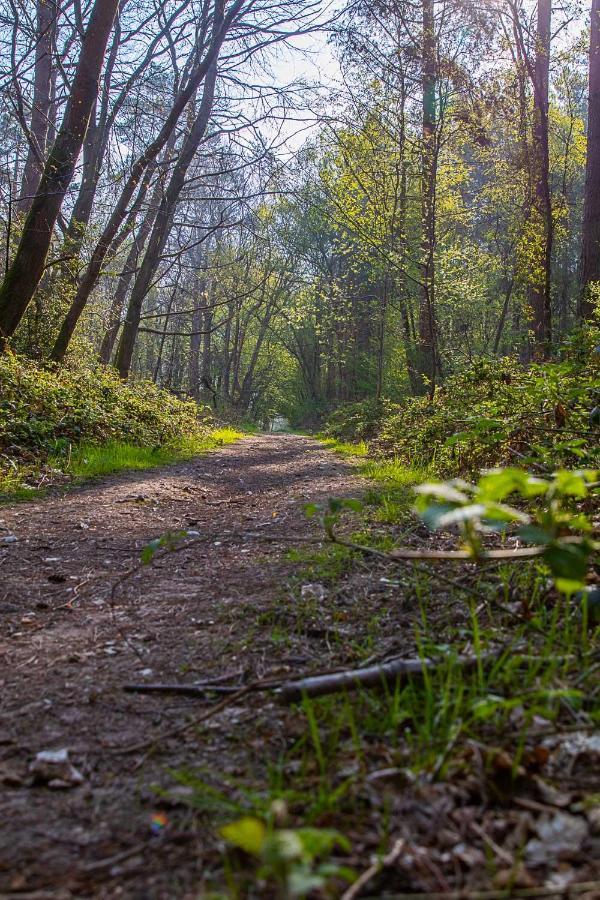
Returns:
(80,618)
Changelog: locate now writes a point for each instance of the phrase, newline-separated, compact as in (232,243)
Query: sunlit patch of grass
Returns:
(89,460)
(360,449)
(13,491)
(393,496)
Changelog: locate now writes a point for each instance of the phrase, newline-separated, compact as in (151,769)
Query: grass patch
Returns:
(394,479)
(91,460)
(393,497)
(356,450)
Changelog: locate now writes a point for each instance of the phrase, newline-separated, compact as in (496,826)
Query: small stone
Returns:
(313,591)
(54,769)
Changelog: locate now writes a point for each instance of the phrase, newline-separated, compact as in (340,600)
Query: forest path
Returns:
(80,617)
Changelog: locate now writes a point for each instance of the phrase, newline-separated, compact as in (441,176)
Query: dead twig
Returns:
(355,889)
(181,729)
(262,685)
(110,861)
(383,675)
(187,690)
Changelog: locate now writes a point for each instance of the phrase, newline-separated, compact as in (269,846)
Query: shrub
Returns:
(495,412)
(45,410)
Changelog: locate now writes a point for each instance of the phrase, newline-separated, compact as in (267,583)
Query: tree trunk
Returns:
(90,276)
(162,225)
(42,102)
(196,339)
(427,348)
(590,256)
(24,274)
(207,381)
(541,211)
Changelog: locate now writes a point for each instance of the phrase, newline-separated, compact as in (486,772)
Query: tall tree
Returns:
(25,271)
(42,100)
(221,24)
(427,350)
(541,209)
(163,223)
(590,256)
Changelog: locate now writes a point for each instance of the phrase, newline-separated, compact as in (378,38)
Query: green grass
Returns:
(423,730)
(91,460)
(357,450)
(394,479)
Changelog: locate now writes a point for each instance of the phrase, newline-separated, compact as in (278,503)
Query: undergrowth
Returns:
(360,762)
(62,422)
(495,412)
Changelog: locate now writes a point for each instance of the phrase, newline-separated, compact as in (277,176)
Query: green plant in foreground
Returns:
(294,859)
(551,519)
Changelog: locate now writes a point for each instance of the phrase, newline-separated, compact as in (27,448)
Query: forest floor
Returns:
(82,616)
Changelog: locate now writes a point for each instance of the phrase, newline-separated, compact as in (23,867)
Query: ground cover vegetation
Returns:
(405,260)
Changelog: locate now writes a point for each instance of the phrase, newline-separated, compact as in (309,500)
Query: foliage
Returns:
(552,519)
(494,412)
(44,412)
(358,421)
(292,858)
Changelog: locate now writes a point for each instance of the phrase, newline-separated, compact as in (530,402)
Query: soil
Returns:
(81,617)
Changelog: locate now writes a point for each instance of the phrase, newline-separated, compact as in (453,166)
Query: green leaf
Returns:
(442,492)
(432,514)
(247,833)
(461,514)
(150,549)
(499,484)
(567,561)
(570,484)
(533,534)
(319,841)
(568,586)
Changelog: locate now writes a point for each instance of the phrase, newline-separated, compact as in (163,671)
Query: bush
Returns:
(45,410)
(496,412)
(360,421)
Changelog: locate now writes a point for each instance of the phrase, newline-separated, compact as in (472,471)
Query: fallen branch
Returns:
(407,553)
(507,555)
(389,674)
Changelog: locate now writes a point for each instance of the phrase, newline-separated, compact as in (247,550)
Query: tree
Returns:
(25,271)
(427,350)
(590,256)
(541,213)
(42,99)
(163,223)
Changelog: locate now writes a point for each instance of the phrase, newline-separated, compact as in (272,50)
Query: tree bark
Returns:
(126,277)
(42,102)
(590,256)
(196,338)
(26,270)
